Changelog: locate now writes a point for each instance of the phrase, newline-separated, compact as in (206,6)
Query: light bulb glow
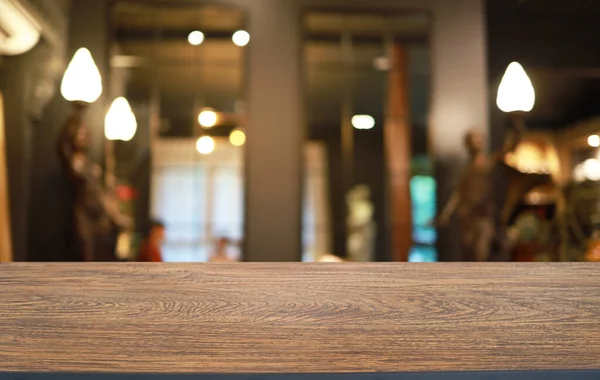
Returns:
(241,38)
(82,81)
(208,118)
(579,173)
(363,122)
(196,38)
(528,158)
(205,145)
(120,122)
(237,137)
(516,92)
(594,141)
(20,32)
(591,169)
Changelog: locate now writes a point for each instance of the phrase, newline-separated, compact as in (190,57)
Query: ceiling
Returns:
(545,7)
(211,75)
(405,25)
(148,16)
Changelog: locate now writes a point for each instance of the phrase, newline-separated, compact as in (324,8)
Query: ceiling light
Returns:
(208,118)
(205,145)
(196,38)
(82,81)
(594,141)
(241,38)
(516,92)
(591,169)
(237,137)
(120,122)
(363,122)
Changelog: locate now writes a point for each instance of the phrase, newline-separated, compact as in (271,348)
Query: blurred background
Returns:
(300,130)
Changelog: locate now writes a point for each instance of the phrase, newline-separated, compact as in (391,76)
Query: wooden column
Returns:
(17,150)
(398,149)
(5,239)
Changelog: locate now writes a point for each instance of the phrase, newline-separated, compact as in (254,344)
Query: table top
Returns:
(508,375)
(233,318)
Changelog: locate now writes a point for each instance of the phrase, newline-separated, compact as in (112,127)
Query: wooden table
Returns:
(299,317)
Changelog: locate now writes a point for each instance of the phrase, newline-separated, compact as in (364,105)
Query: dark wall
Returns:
(35,113)
(48,214)
(50,211)
(30,84)
(38,192)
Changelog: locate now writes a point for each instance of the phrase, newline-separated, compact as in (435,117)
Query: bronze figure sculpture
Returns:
(96,218)
(472,200)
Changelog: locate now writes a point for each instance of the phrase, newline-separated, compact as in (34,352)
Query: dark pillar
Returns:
(459,98)
(275,133)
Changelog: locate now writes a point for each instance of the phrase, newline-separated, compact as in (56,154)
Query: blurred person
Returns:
(220,254)
(151,247)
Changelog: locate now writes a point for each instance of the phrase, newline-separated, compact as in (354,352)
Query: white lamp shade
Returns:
(516,92)
(82,81)
(120,122)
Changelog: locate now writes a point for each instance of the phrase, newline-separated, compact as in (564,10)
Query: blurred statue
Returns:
(96,219)
(580,220)
(361,227)
(472,199)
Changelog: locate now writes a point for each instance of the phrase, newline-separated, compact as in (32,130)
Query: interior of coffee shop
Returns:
(308,131)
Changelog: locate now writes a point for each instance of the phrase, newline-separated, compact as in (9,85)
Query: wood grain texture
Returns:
(298,317)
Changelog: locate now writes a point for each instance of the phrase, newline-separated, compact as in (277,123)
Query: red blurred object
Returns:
(526,252)
(126,193)
(593,251)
